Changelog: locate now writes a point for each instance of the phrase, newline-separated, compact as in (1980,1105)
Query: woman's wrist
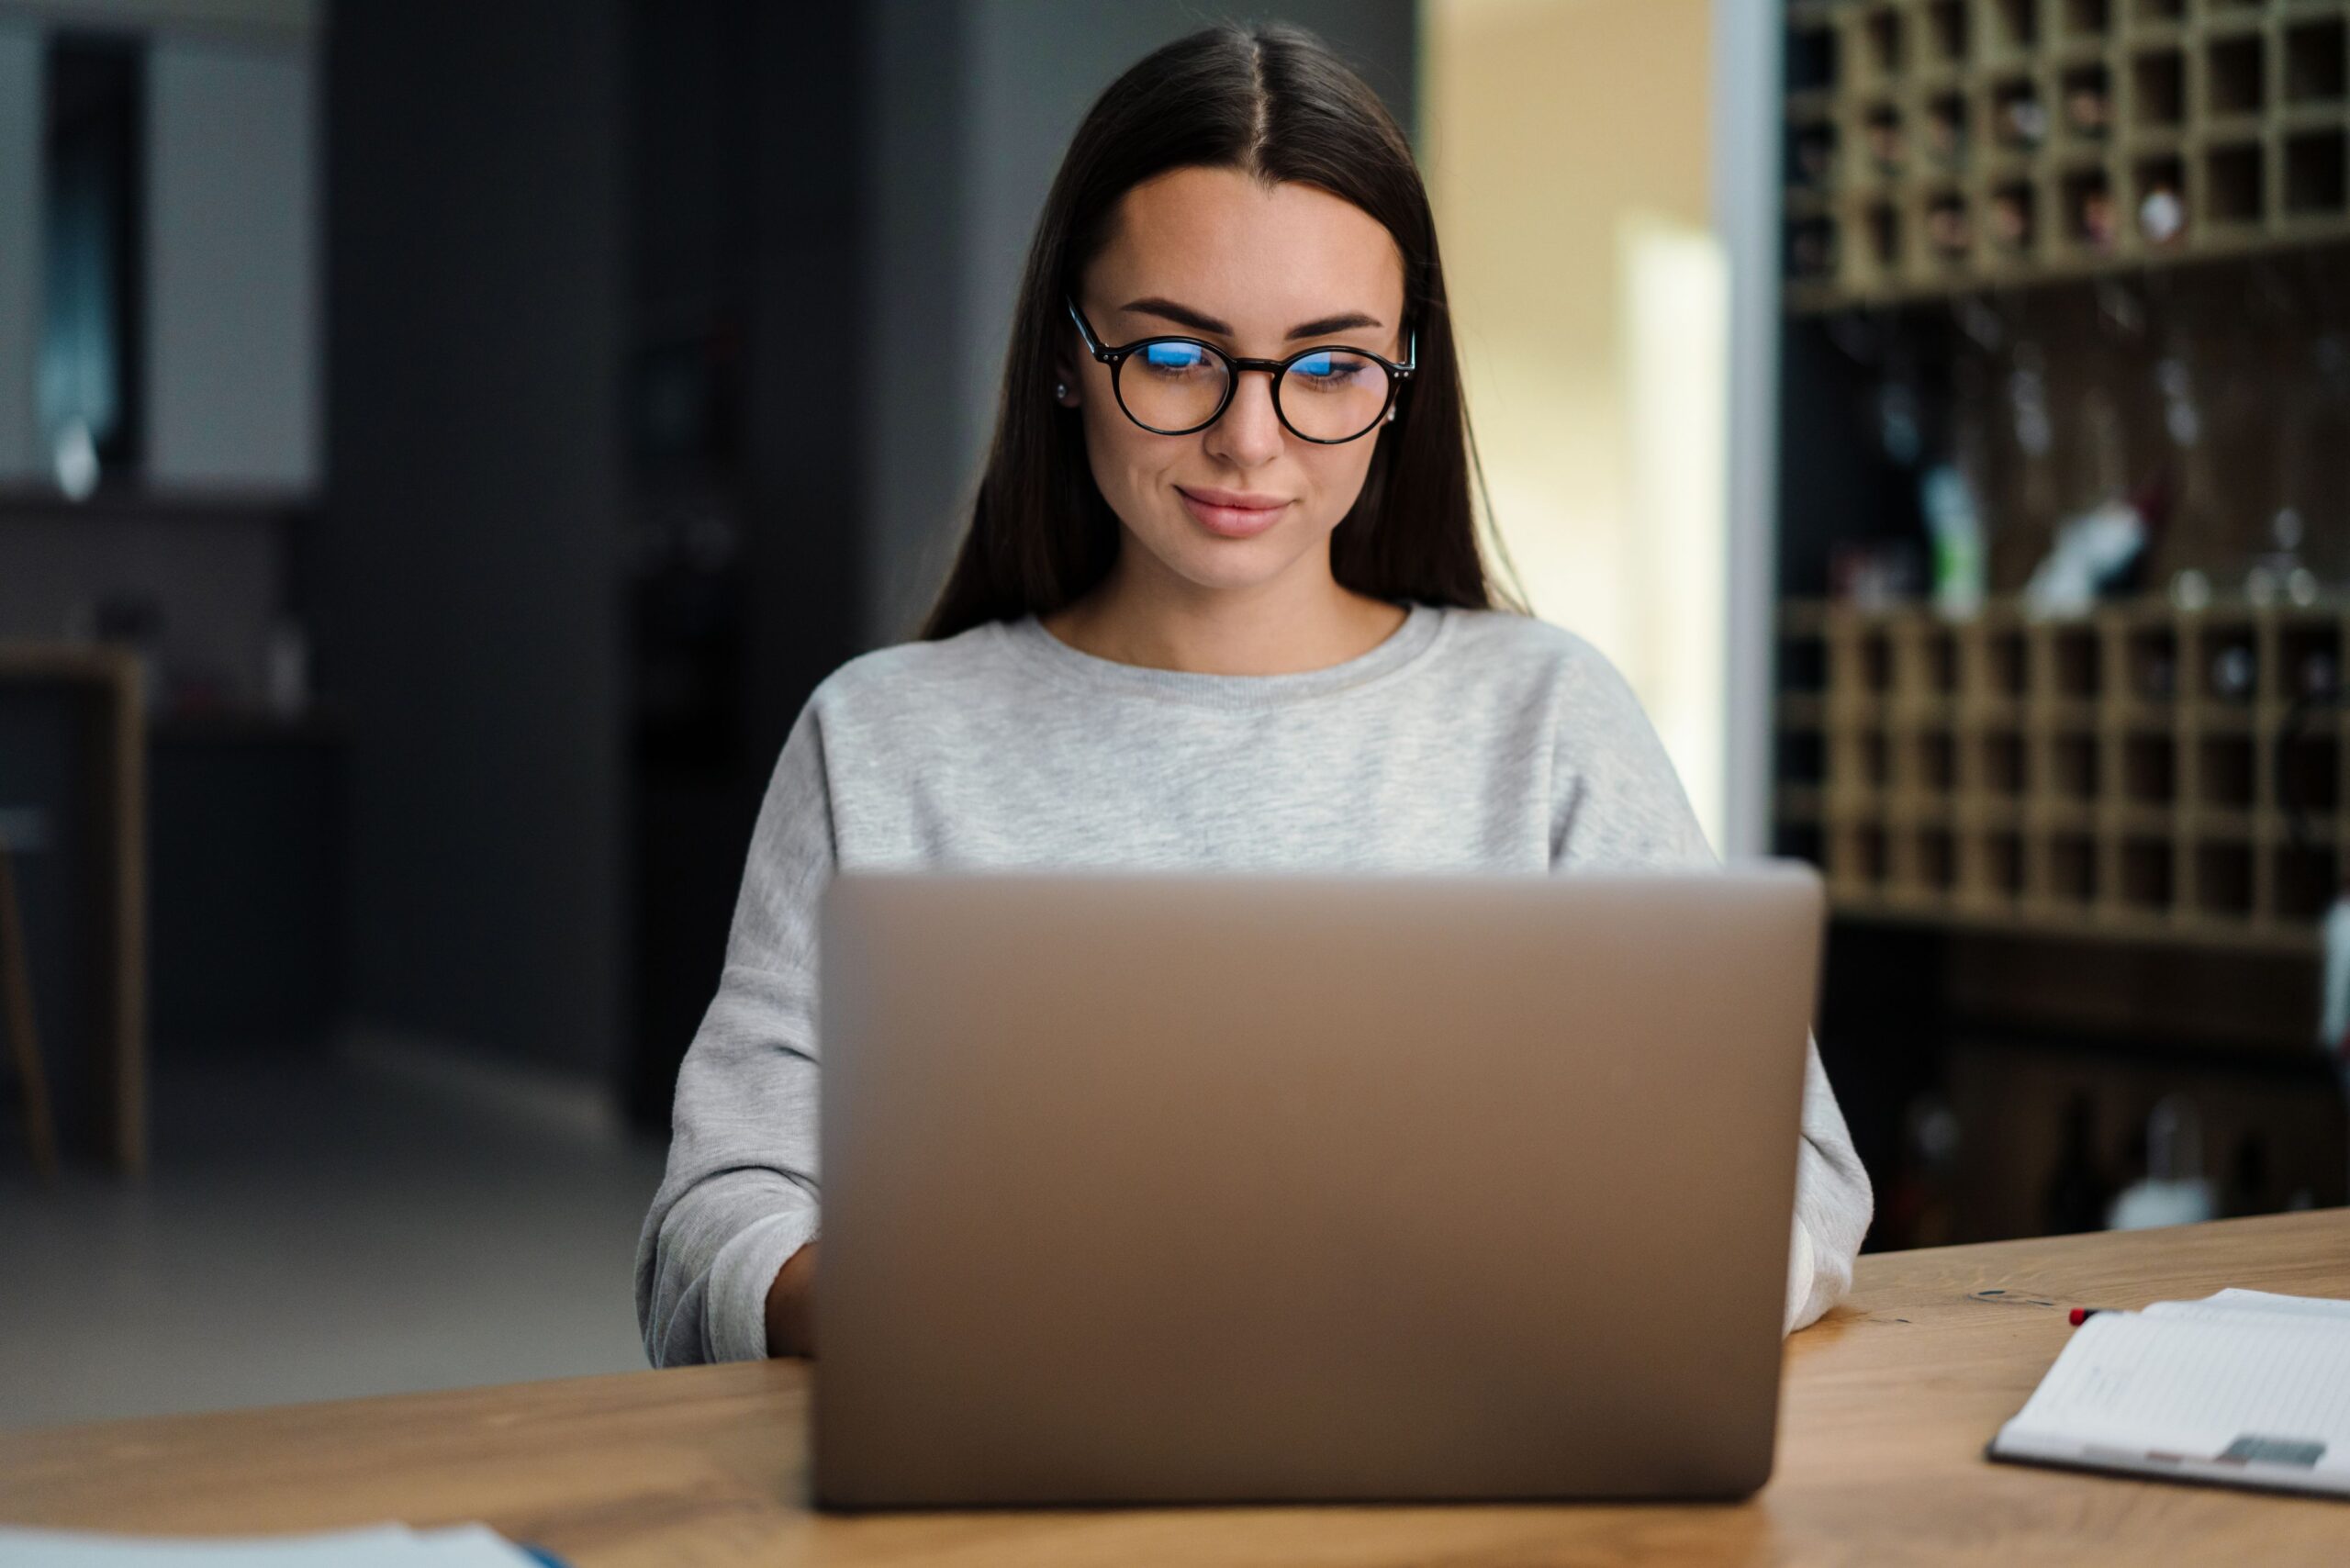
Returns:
(792,1328)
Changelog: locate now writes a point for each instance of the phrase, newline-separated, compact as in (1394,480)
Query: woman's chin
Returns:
(1182,548)
(1230,564)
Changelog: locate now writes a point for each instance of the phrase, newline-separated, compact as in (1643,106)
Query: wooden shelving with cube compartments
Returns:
(2145,772)
(1937,146)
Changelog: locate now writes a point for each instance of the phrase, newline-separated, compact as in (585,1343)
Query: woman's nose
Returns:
(1250,433)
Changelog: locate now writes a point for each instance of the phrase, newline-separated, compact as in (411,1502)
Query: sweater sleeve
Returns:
(740,1196)
(1620,804)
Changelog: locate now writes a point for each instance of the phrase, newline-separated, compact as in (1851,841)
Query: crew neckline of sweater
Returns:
(1423,629)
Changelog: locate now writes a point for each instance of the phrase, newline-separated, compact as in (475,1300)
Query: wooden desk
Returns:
(1888,1407)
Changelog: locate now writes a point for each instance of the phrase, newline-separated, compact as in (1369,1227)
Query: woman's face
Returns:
(1262,271)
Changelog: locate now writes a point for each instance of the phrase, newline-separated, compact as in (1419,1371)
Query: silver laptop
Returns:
(1229,1189)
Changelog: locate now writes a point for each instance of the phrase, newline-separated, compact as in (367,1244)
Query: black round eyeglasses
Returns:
(1183,384)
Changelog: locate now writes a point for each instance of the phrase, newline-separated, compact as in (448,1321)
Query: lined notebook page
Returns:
(2306,1306)
(381,1546)
(2193,1380)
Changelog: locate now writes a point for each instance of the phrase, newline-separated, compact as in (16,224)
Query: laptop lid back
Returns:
(1219,1188)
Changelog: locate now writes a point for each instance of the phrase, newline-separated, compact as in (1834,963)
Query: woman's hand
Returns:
(792,1322)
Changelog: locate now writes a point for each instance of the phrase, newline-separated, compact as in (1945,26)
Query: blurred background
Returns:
(442,446)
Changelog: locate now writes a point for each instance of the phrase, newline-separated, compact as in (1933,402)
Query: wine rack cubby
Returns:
(2145,772)
(1940,146)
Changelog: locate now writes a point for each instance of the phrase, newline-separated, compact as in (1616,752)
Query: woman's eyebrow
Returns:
(1183,315)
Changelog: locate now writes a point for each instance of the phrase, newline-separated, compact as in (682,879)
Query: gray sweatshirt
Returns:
(1468,741)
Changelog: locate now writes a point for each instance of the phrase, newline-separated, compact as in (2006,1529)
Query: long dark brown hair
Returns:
(1271,101)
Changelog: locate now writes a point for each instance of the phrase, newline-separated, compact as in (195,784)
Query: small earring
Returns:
(1060,391)
(1391,415)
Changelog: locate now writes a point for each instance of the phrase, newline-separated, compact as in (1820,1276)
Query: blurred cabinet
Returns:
(2145,774)
(2269,1132)
(219,233)
(1942,146)
(2079,861)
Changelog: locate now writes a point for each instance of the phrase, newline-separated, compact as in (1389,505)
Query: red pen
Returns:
(2081,1314)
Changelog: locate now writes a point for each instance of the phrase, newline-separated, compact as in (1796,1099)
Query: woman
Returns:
(1221,604)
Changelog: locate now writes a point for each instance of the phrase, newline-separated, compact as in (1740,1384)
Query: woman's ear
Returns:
(1067,388)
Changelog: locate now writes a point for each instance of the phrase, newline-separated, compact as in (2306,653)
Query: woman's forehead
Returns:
(1261,255)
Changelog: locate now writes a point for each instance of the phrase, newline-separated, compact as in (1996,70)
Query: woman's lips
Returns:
(1231,522)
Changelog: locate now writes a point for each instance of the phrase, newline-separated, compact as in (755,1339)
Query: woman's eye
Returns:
(1174,358)
(1326,371)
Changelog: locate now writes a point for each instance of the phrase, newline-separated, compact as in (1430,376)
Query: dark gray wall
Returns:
(20,137)
(809,360)
(468,562)
(974,102)
(749,239)
(470,568)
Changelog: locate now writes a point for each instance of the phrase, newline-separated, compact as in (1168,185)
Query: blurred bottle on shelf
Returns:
(1885,141)
(2095,223)
(288,672)
(1948,230)
(2276,575)
(2012,221)
(1811,251)
(2078,1192)
(2162,216)
(2023,120)
(1956,525)
(2317,675)
(1816,156)
(2096,554)
(1920,1207)
(1946,134)
(2174,1191)
(2234,673)
(2088,110)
